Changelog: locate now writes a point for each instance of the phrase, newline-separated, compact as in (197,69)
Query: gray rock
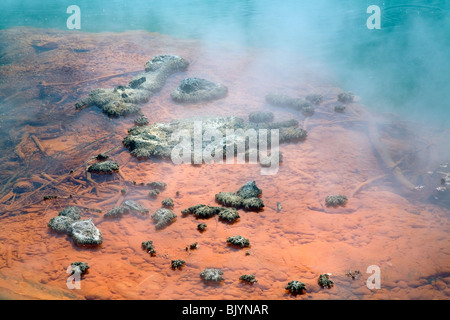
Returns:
(163,217)
(84,232)
(211,274)
(61,224)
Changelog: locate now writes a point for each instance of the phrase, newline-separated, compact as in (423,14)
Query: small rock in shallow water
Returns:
(61,224)
(177,264)
(346,97)
(250,278)
(79,267)
(260,117)
(336,200)
(339,109)
(163,217)
(314,98)
(295,287)
(106,167)
(211,274)
(148,246)
(239,241)
(84,232)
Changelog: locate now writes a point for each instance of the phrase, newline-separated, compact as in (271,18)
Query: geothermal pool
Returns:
(48,144)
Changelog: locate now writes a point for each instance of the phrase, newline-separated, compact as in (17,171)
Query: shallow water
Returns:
(47,146)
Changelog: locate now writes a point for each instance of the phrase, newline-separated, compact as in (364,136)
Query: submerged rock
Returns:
(336,200)
(163,217)
(118,211)
(148,246)
(124,100)
(154,193)
(129,206)
(157,185)
(84,232)
(339,109)
(211,274)
(260,117)
(295,287)
(105,167)
(72,212)
(314,98)
(346,97)
(239,241)
(142,120)
(192,90)
(281,100)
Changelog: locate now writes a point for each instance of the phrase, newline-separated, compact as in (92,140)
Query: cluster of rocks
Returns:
(148,246)
(157,140)
(344,98)
(247,198)
(125,100)
(83,232)
(282,100)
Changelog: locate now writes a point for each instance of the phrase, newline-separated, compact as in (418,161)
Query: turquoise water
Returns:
(404,67)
